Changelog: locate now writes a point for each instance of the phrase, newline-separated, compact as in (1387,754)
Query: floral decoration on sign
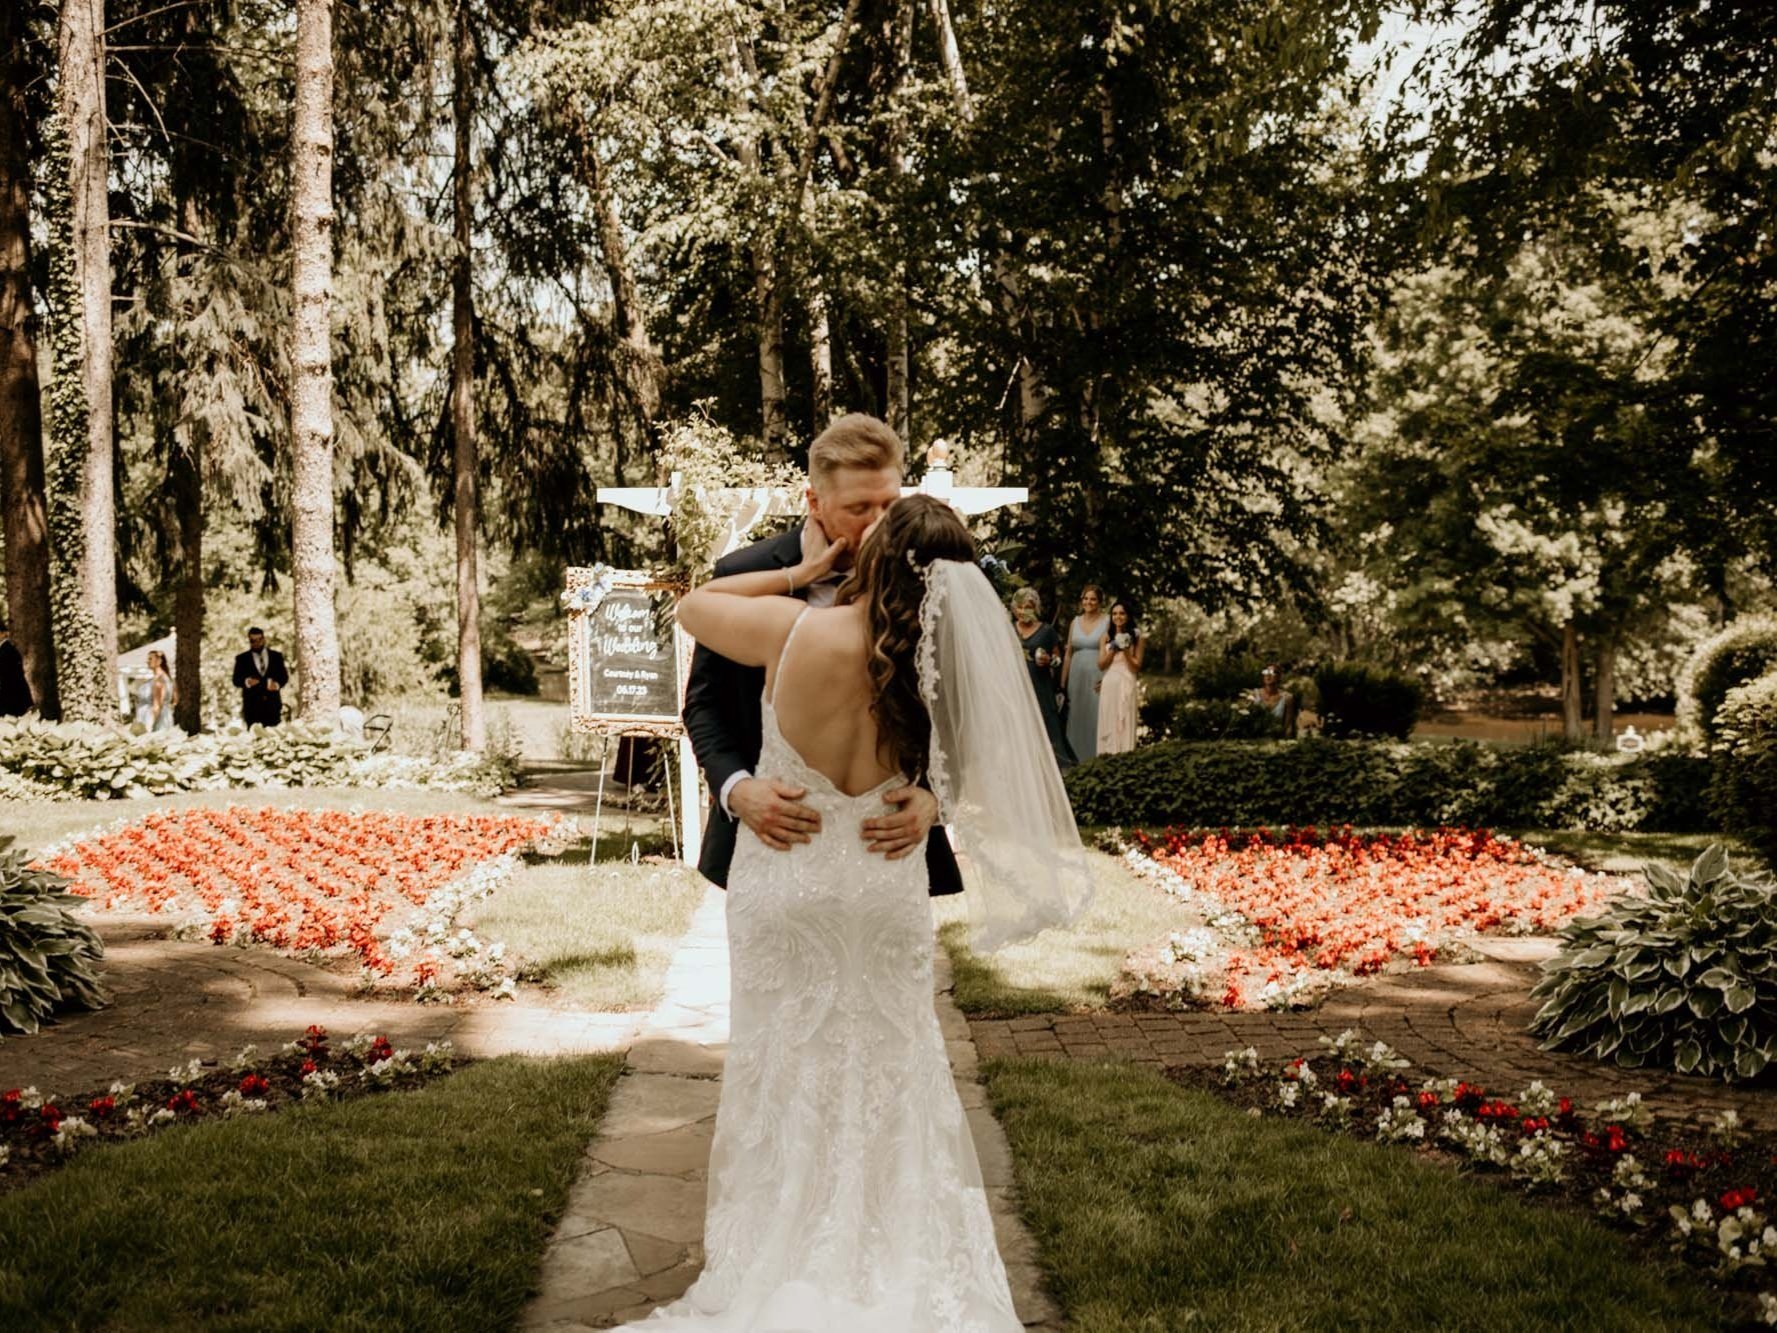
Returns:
(584,597)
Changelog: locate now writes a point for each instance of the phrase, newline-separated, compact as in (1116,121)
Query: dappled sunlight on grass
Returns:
(1061,969)
(601,936)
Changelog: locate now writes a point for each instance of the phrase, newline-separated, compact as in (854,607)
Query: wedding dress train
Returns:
(844,1191)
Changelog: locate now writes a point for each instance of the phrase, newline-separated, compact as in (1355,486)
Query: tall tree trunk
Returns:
(84,679)
(900,351)
(643,367)
(311,396)
(185,474)
(1572,719)
(768,311)
(80,93)
(1007,289)
(24,512)
(465,460)
(1604,691)
(820,355)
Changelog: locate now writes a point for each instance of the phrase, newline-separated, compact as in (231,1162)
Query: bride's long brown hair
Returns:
(889,581)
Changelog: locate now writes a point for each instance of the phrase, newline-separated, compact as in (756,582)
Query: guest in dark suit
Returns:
(854,473)
(15,690)
(260,676)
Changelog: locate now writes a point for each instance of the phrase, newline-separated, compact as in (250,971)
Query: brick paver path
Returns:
(1463,1020)
(173,1001)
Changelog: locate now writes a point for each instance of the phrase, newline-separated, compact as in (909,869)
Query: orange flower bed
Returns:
(295,880)
(1344,902)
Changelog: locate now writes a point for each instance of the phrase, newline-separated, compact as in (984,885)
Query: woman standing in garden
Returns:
(1079,673)
(1119,691)
(1042,658)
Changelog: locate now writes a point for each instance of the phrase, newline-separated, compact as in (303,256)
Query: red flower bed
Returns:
(1341,901)
(292,879)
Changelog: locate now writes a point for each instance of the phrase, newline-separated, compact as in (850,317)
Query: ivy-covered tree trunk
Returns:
(83,672)
(465,461)
(80,93)
(24,511)
(311,358)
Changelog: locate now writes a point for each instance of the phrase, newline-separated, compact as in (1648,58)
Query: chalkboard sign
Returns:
(624,652)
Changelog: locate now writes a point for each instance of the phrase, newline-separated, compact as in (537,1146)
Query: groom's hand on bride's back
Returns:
(774,811)
(904,831)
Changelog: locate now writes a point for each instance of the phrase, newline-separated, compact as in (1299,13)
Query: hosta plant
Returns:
(47,954)
(1683,977)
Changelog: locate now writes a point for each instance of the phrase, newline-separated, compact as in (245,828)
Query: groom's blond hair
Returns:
(856,440)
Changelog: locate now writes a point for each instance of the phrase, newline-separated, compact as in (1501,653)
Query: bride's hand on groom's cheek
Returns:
(774,811)
(904,831)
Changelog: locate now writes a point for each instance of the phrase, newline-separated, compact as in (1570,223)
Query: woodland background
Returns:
(331,316)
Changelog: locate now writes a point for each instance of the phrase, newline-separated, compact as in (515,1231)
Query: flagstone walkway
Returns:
(631,1236)
(174,1001)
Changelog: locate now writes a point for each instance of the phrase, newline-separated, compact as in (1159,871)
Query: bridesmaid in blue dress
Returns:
(1079,672)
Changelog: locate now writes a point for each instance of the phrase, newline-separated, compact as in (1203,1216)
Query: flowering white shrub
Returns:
(319,1085)
(438,1057)
(1335,1109)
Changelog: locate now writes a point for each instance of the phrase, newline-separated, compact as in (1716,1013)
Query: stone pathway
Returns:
(1464,1020)
(631,1236)
(174,1000)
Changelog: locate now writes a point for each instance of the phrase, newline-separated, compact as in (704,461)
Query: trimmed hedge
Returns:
(1739,654)
(1211,784)
(81,761)
(1360,700)
(1170,717)
(1743,780)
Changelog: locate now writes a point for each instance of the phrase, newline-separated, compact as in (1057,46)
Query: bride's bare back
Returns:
(819,687)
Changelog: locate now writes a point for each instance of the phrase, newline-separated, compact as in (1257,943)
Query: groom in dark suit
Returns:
(854,475)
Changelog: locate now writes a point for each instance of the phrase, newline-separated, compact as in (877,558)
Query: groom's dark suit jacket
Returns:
(722,716)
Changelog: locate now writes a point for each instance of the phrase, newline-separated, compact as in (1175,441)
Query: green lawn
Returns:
(1156,1209)
(418,1210)
(1063,969)
(594,937)
(1626,853)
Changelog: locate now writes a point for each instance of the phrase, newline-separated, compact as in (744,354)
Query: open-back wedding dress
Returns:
(844,1191)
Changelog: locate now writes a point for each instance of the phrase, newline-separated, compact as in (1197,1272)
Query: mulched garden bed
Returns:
(43,1130)
(1704,1194)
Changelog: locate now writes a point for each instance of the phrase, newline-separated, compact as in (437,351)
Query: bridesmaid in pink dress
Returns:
(1119,692)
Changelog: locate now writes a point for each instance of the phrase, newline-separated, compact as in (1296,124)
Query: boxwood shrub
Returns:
(1360,700)
(1743,780)
(1209,784)
(1684,978)
(1739,654)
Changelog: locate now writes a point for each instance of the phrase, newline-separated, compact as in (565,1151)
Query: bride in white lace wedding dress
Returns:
(844,1192)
